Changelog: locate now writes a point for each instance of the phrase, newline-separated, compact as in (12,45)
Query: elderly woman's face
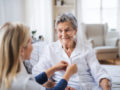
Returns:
(65,32)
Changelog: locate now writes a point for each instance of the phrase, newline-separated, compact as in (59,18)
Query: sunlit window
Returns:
(100,11)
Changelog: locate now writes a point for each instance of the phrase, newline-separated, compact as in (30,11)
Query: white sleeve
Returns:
(97,71)
(43,64)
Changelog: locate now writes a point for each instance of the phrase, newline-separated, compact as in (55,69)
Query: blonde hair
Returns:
(13,38)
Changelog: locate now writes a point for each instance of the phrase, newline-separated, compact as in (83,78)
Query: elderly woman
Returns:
(15,47)
(90,76)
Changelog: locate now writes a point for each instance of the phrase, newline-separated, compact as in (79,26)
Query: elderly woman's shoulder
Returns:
(86,48)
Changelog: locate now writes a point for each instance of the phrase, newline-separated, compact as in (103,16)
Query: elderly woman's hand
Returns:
(59,66)
(104,83)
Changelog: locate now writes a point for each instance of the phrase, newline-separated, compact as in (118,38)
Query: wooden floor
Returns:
(110,62)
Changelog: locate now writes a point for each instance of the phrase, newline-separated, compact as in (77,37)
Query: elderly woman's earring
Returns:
(75,37)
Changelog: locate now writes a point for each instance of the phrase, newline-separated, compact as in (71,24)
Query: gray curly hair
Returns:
(67,17)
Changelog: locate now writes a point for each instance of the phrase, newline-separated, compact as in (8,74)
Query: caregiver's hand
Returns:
(59,66)
(70,70)
(62,65)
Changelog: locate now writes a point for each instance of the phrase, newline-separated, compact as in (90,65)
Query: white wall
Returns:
(2,18)
(35,13)
(11,10)
(118,17)
(48,24)
(79,11)
(38,15)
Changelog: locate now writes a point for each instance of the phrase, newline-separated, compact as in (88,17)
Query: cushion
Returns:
(96,32)
(106,49)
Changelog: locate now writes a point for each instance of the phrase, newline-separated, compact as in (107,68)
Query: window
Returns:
(100,11)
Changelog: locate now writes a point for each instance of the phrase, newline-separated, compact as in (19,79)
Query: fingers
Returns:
(69,88)
(49,84)
(61,65)
(66,88)
(64,62)
(72,88)
(64,65)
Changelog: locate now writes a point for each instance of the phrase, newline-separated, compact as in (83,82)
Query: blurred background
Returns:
(99,20)
(40,15)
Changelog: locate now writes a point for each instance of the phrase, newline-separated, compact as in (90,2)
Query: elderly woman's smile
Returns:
(66,33)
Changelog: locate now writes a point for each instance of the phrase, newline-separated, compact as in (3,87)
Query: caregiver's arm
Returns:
(43,77)
(71,69)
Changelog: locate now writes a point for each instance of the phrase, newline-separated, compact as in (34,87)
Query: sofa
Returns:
(104,42)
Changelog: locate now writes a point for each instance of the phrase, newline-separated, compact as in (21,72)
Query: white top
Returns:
(24,81)
(89,70)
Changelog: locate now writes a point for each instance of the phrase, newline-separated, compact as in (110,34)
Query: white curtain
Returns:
(11,10)
(2,18)
(118,16)
(118,23)
(35,13)
(80,20)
